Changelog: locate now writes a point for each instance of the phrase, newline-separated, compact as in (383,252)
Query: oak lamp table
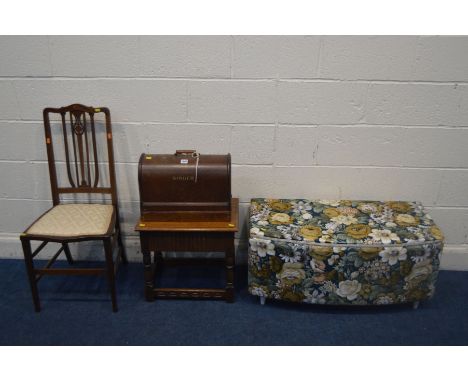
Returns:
(182,236)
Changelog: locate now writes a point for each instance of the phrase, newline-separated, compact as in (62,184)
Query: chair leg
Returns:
(26,243)
(68,255)
(110,272)
(123,254)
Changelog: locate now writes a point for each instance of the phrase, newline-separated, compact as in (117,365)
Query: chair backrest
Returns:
(82,160)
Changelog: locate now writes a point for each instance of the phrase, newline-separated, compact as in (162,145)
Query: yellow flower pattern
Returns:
(347,222)
(310,232)
(358,231)
(343,252)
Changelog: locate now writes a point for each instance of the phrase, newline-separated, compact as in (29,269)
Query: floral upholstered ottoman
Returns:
(342,252)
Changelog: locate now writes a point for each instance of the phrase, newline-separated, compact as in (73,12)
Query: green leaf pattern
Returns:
(342,252)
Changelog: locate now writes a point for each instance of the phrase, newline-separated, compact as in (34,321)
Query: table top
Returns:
(211,226)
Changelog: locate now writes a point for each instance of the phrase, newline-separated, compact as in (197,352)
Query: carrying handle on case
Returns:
(186,152)
(193,154)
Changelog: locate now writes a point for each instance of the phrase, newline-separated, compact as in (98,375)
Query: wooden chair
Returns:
(76,222)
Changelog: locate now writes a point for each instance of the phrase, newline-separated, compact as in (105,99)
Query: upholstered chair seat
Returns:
(74,220)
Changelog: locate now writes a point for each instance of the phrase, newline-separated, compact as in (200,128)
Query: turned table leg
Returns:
(149,276)
(158,257)
(230,261)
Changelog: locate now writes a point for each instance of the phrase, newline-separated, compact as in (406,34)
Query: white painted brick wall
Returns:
(304,102)
(25,57)
(417,104)
(296,145)
(232,101)
(130,100)
(116,57)
(379,117)
(368,57)
(183,56)
(275,57)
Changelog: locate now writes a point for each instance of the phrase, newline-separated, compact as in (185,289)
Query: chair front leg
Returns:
(110,271)
(26,243)
(68,255)
(123,254)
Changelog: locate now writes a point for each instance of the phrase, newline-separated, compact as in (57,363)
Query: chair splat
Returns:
(81,150)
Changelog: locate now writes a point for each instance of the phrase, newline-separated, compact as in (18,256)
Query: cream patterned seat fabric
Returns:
(74,220)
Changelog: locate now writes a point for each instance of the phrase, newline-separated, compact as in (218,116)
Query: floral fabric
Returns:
(342,252)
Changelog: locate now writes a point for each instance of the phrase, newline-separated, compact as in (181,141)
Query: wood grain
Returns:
(208,226)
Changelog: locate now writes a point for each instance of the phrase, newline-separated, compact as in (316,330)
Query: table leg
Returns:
(230,263)
(149,276)
(158,257)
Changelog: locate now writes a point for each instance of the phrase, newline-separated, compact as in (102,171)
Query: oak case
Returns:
(185,186)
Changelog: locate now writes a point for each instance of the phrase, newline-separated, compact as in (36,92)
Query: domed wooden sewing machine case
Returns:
(185,186)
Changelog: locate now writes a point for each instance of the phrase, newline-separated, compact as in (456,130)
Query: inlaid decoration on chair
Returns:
(68,221)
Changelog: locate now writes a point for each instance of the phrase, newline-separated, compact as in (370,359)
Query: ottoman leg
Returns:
(262,300)
(415,305)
